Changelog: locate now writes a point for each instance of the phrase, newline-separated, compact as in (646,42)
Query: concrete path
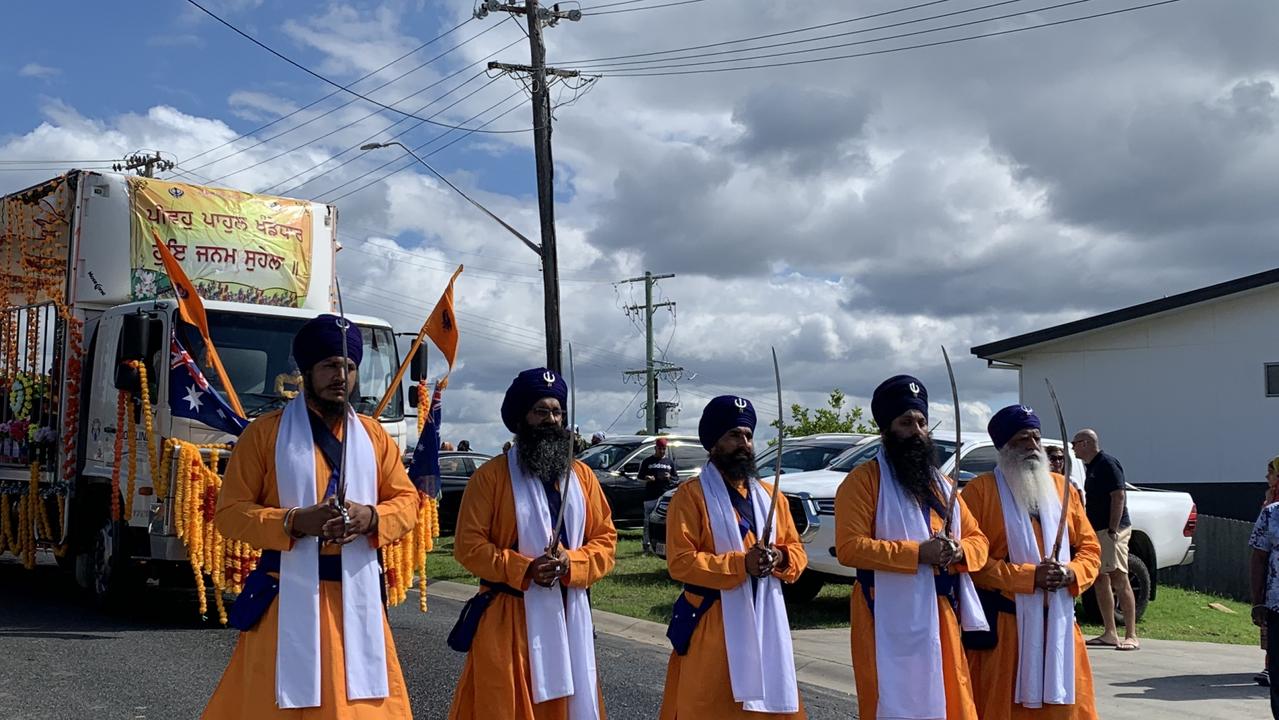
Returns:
(1165,679)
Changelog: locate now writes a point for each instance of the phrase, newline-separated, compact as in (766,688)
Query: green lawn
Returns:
(640,587)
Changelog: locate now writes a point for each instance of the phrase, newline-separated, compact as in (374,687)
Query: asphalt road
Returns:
(60,659)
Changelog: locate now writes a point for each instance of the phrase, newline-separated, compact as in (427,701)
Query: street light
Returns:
(531,245)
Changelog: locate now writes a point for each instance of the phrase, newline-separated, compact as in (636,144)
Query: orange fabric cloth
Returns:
(856,546)
(995,671)
(698,684)
(249,510)
(495,681)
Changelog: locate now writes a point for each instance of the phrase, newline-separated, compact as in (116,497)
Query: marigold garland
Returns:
(119,451)
(196,484)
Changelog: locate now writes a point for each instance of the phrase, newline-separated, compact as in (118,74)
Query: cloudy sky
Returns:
(854,213)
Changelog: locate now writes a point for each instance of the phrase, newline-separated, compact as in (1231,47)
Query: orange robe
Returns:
(249,510)
(496,681)
(856,546)
(698,684)
(995,671)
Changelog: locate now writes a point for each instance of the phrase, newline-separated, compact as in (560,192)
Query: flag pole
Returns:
(394,386)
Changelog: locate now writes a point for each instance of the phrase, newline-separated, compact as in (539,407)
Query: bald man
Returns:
(1106,502)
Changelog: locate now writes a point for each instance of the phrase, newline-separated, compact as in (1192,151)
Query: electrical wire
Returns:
(335,84)
(887,51)
(765,36)
(360,79)
(831,36)
(348,103)
(647,7)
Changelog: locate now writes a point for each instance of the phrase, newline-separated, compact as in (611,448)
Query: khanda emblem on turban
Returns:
(740,403)
(1026,409)
(914,389)
(549,377)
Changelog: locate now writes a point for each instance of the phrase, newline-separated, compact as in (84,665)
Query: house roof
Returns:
(991,351)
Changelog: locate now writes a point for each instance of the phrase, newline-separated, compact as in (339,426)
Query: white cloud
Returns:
(36,70)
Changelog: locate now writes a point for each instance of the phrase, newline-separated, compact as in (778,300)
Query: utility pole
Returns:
(145,164)
(537,73)
(651,370)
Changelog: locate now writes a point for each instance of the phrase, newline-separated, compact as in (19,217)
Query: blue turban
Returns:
(1010,421)
(895,396)
(527,388)
(723,414)
(321,338)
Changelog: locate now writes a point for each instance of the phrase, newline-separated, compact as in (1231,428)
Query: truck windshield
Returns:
(257,351)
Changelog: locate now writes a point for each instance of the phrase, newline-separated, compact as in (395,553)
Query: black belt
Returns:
(946,585)
(330,565)
(502,588)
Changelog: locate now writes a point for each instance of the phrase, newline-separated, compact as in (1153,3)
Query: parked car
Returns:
(1163,521)
(456,469)
(616,462)
(808,453)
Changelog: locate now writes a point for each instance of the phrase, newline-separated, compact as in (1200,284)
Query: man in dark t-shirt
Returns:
(1106,504)
(657,471)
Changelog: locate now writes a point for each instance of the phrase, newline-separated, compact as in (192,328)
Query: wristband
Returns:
(288,522)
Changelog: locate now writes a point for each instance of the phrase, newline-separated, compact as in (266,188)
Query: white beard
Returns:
(1027,477)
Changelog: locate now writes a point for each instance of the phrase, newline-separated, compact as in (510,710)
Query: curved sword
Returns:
(553,545)
(959,442)
(1065,500)
(777,470)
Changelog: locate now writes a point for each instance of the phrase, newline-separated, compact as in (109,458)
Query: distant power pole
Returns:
(537,73)
(144,164)
(651,370)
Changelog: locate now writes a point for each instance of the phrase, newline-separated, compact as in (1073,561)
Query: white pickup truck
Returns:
(1162,533)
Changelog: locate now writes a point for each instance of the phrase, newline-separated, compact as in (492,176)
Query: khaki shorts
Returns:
(1114,552)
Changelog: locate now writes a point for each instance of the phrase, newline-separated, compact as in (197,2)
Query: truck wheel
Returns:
(1139,578)
(103,570)
(804,589)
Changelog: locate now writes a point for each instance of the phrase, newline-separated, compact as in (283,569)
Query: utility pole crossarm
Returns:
(510,68)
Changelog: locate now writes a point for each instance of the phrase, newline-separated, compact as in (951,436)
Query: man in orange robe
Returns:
(527,590)
(912,589)
(328,566)
(724,670)
(1028,671)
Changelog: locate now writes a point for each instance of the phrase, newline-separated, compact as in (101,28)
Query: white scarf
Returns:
(1045,656)
(297,659)
(907,625)
(756,629)
(561,633)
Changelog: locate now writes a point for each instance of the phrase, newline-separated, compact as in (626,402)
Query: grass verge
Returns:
(640,587)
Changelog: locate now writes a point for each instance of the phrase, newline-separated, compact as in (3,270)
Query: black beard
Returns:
(913,460)
(542,451)
(329,409)
(739,465)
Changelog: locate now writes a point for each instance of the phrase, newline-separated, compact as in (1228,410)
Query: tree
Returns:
(831,419)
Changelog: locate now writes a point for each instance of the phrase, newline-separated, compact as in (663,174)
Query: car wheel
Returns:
(804,589)
(1139,578)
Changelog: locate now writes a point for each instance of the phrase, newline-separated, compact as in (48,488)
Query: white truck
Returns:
(84,295)
(1162,534)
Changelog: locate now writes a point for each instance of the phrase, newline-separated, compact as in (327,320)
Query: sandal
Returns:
(1128,645)
(1098,642)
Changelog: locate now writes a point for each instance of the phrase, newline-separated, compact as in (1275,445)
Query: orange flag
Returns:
(192,311)
(441,327)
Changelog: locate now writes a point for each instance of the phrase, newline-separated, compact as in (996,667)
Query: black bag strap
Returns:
(330,448)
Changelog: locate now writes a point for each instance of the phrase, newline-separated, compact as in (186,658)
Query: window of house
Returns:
(1272,379)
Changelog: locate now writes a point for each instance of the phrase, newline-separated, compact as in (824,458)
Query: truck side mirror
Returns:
(140,336)
(413,397)
(417,370)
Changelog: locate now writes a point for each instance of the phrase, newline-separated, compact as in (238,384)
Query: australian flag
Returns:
(424,471)
(191,396)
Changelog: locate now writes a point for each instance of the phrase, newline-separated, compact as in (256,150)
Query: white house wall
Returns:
(1178,398)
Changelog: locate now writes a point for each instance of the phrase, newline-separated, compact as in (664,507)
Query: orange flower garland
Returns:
(119,451)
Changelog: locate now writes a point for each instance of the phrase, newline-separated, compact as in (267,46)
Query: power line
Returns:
(887,51)
(374,135)
(647,7)
(362,119)
(57,162)
(440,149)
(358,80)
(765,36)
(346,88)
(789,43)
(348,103)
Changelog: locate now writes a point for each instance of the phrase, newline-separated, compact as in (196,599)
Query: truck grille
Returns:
(826,506)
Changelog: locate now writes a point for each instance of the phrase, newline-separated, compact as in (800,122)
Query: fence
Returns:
(1221,559)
